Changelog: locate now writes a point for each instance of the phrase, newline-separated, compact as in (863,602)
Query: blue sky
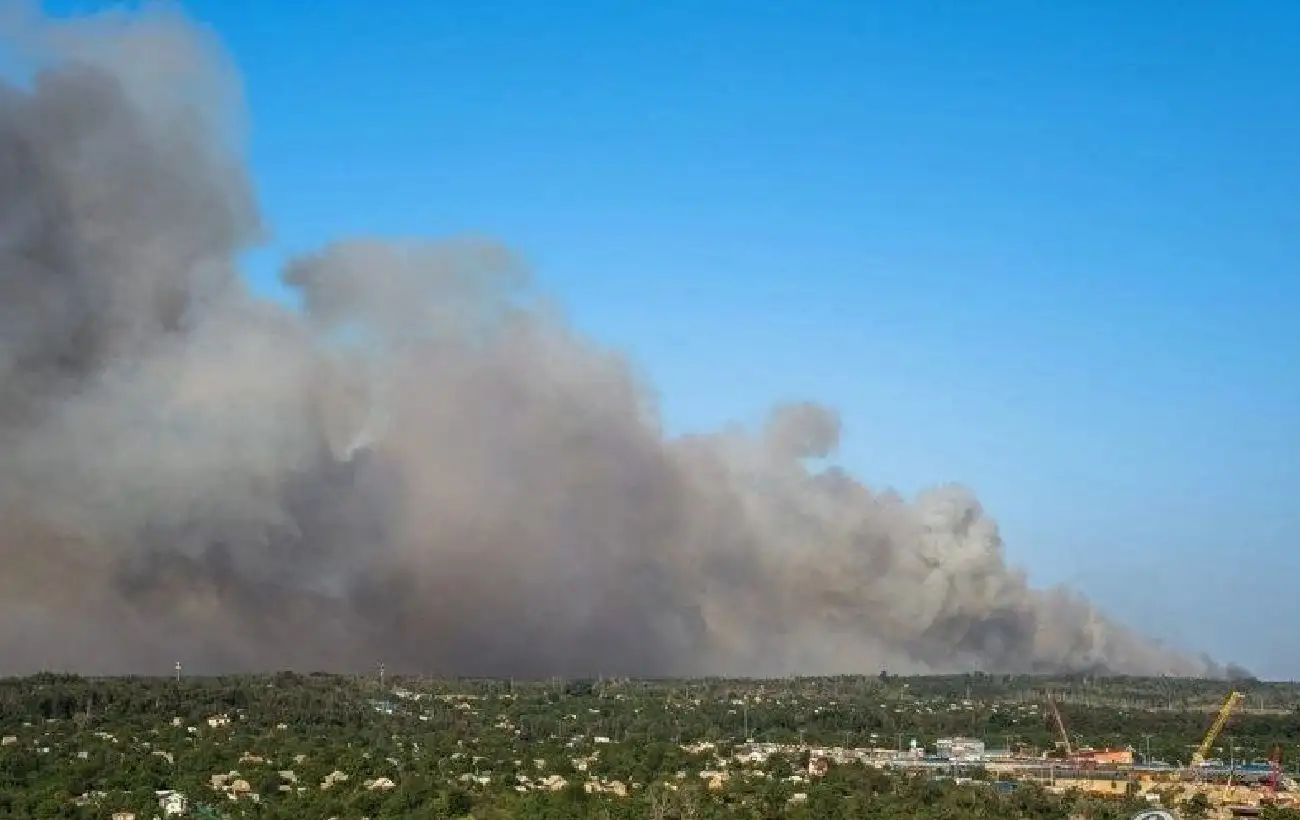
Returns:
(1051,250)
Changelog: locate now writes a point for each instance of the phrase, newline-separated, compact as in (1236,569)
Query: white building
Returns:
(173,804)
(960,749)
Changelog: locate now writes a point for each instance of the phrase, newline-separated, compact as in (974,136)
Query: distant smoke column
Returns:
(425,463)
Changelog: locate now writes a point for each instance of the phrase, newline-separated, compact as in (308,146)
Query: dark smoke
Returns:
(423,465)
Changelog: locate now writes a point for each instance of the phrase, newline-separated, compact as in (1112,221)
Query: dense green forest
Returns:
(291,745)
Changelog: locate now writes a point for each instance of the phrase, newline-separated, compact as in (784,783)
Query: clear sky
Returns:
(1050,250)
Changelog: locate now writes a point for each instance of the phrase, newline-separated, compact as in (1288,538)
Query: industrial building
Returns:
(960,749)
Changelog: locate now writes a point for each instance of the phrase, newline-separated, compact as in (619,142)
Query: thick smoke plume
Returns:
(421,465)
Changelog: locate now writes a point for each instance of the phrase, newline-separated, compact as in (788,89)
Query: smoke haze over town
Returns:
(422,463)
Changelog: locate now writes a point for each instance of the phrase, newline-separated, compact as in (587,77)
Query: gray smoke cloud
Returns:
(423,464)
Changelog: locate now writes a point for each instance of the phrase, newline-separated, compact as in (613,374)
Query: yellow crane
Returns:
(1198,757)
(1060,726)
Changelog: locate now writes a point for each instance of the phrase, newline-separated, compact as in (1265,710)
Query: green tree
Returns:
(1196,807)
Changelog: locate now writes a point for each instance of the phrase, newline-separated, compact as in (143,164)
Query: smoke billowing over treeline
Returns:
(419,465)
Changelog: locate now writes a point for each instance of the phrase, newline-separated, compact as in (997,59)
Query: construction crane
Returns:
(1198,757)
(1275,793)
(1060,726)
(1274,769)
